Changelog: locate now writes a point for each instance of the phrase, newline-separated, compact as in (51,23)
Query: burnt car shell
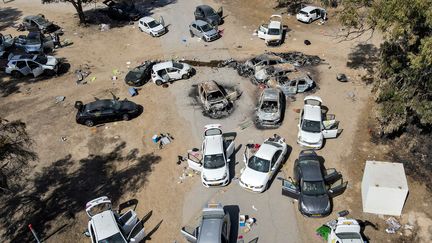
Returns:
(269,111)
(139,75)
(212,96)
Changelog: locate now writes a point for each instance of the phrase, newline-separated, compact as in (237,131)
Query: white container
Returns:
(384,188)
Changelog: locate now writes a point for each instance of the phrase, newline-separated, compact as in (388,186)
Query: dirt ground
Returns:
(119,159)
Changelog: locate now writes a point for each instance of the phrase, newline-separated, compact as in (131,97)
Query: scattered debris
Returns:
(341,77)
(393,225)
(254,208)
(132,91)
(162,139)
(351,95)
(59,99)
(104,27)
(307,42)
(82,72)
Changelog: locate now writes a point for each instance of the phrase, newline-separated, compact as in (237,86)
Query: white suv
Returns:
(23,65)
(272,33)
(214,161)
(169,71)
(311,13)
(151,26)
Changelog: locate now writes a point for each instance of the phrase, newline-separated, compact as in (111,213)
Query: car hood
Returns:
(267,115)
(211,32)
(311,137)
(52,61)
(253,177)
(214,174)
(315,204)
(157,28)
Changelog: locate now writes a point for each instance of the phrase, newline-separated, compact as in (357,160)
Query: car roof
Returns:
(312,112)
(104,224)
(199,22)
(297,75)
(308,8)
(270,94)
(274,25)
(310,169)
(210,86)
(162,65)
(99,103)
(266,151)
(213,144)
(205,8)
(147,19)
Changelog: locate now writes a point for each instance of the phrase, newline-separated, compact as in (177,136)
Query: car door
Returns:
(36,68)
(331,133)
(162,21)
(337,188)
(22,67)
(137,233)
(146,28)
(262,31)
(331,176)
(199,14)
(163,73)
(289,189)
(173,73)
(292,87)
(190,237)
(247,152)
(107,114)
(229,148)
(274,164)
(220,12)
(195,30)
(302,85)
(194,160)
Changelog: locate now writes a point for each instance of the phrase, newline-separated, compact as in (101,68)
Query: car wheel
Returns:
(50,72)
(89,123)
(141,29)
(125,117)
(191,33)
(185,76)
(309,21)
(204,39)
(16,74)
(159,82)
(152,35)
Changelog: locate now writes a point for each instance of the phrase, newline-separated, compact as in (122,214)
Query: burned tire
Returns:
(125,117)
(191,33)
(185,76)
(16,74)
(159,82)
(89,123)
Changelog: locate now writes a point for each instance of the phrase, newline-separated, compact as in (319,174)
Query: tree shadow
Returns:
(9,16)
(60,191)
(363,56)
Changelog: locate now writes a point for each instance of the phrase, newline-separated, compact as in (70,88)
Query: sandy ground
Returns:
(119,159)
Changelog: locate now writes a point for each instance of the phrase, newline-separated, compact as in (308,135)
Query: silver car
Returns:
(214,227)
(23,65)
(203,30)
(34,42)
(269,110)
(292,83)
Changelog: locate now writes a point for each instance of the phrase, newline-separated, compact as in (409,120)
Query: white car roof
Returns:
(266,151)
(312,112)
(104,225)
(307,9)
(274,25)
(146,19)
(213,145)
(162,65)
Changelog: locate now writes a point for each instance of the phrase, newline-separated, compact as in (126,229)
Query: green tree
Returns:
(77,4)
(403,83)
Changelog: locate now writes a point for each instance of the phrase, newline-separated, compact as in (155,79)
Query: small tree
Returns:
(77,5)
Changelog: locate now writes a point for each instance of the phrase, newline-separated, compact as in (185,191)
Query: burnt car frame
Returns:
(39,22)
(270,108)
(292,83)
(215,100)
(35,42)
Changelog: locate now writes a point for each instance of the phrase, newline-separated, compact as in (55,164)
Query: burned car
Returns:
(122,10)
(140,74)
(292,83)
(209,15)
(269,112)
(6,42)
(215,101)
(259,62)
(35,42)
(273,71)
(40,23)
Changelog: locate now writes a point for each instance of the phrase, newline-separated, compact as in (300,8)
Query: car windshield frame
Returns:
(152,24)
(41,59)
(178,65)
(259,164)
(206,27)
(313,188)
(273,31)
(115,238)
(311,126)
(214,96)
(269,106)
(349,236)
(214,161)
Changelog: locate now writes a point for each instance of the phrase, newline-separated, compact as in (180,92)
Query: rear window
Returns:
(177,65)
(273,31)
(303,12)
(41,59)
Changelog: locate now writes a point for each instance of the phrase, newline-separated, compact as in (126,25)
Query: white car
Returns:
(215,159)
(23,65)
(312,127)
(345,230)
(277,70)
(169,71)
(310,13)
(262,166)
(272,33)
(107,226)
(152,27)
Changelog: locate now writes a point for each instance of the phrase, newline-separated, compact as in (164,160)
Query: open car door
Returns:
(37,71)
(220,12)
(289,189)
(330,133)
(190,237)
(127,221)
(331,176)
(229,148)
(194,160)
(262,31)
(337,188)
(247,153)
(162,21)
(137,233)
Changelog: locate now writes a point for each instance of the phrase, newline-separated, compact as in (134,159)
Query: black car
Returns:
(208,14)
(122,10)
(106,110)
(139,75)
(312,186)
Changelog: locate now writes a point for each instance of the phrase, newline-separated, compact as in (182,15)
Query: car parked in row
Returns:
(164,72)
(292,83)
(24,65)
(139,75)
(209,15)
(309,14)
(312,186)
(106,110)
(262,164)
(269,112)
(35,43)
(214,161)
(203,30)
(313,129)
(151,26)
(277,70)
(272,32)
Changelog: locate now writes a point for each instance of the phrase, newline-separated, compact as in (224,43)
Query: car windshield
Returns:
(215,96)
(214,161)
(41,59)
(178,65)
(206,28)
(269,106)
(273,31)
(115,104)
(313,188)
(259,164)
(304,13)
(348,236)
(311,126)
(152,24)
(117,238)
(99,208)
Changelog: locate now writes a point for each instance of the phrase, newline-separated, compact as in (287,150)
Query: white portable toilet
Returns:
(384,188)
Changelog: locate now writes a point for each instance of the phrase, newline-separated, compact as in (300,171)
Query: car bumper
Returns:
(160,33)
(250,188)
(268,123)
(212,38)
(315,215)
(309,145)
(217,183)
(273,42)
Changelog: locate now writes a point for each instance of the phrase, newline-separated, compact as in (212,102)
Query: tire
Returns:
(89,123)
(50,72)
(310,21)
(125,117)
(152,35)
(204,39)
(185,76)
(16,74)
(191,33)
(159,82)
(141,29)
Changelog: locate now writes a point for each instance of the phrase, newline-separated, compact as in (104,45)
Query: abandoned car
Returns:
(215,158)
(215,226)
(23,65)
(203,30)
(292,83)
(313,187)
(164,72)
(105,225)
(139,75)
(6,42)
(38,22)
(259,62)
(272,33)
(312,127)
(215,100)
(262,163)
(269,110)
(209,15)
(152,27)
(122,10)
(345,230)
(106,110)
(35,42)
(309,14)
(277,70)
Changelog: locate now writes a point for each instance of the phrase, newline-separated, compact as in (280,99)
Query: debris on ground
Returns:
(393,225)
(59,99)
(82,72)
(341,77)
(132,91)
(351,95)
(307,42)
(162,139)
(104,27)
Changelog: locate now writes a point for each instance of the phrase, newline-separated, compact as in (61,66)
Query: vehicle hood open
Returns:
(253,177)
